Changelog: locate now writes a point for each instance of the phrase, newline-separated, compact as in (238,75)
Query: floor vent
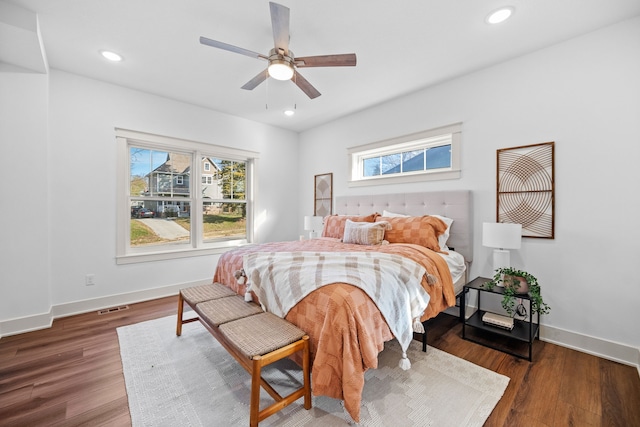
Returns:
(113,309)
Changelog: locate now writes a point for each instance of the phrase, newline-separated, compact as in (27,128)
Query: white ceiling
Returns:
(401,46)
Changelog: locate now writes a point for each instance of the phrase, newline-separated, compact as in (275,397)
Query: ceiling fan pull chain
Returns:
(266,93)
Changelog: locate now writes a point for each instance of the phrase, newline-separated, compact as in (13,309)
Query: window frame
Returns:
(196,246)
(450,134)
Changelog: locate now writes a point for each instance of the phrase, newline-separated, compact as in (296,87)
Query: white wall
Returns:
(72,226)
(583,94)
(24,194)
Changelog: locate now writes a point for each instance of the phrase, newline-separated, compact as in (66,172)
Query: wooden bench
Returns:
(253,337)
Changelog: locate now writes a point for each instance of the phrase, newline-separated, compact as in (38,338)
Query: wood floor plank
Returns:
(15,395)
(580,385)
(33,412)
(549,365)
(18,374)
(569,415)
(111,390)
(618,385)
(105,414)
(515,370)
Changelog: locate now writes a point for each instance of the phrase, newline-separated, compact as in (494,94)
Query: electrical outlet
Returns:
(90,279)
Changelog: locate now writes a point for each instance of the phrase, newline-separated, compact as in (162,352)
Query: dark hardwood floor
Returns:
(71,375)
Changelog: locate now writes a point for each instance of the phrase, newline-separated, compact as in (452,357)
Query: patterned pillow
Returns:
(365,233)
(334,224)
(419,230)
(442,239)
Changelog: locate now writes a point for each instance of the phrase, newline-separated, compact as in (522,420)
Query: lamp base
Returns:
(501,258)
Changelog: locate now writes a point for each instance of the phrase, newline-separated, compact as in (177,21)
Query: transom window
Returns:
(428,155)
(163,213)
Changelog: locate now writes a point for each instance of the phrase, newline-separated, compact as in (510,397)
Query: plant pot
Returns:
(520,284)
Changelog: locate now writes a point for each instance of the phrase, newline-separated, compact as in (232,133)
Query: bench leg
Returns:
(254,407)
(424,337)
(180,312)
(306,372)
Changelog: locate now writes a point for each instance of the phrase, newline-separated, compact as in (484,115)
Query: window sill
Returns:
(163,256)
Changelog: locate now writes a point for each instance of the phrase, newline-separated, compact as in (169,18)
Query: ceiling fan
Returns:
(282,62)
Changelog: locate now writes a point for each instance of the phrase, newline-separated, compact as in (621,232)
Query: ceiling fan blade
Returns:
(251,84)
(342,60)
(280,25)
(231,48)
(306,87)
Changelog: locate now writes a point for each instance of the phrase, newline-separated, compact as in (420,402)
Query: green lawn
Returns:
(220,225)
(215,226)
(142,235)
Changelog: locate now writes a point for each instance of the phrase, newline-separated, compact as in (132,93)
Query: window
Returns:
(163,213)
(425,156)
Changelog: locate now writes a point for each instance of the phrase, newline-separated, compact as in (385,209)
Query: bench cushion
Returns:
(222,310)
(260,334)
(198,294)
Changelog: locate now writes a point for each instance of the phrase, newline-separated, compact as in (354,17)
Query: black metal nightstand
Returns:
(523,330)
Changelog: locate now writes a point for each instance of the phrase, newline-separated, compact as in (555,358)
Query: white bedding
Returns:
(456,264)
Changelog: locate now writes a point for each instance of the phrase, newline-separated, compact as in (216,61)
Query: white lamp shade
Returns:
(313,223)
(501,235)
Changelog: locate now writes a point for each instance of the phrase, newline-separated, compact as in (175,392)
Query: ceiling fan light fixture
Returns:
(500,15)
(280,69)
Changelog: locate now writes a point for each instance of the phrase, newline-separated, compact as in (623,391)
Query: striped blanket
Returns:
(393,282)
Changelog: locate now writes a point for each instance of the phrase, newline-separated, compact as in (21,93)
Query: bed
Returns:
(347,329)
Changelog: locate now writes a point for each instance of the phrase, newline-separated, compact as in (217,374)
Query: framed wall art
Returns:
(323,195)
(525,188)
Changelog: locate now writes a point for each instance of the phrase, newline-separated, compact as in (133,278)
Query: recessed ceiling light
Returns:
(111,56)
(500,15)
(289,112)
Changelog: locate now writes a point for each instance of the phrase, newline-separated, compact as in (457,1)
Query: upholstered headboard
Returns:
(456,205)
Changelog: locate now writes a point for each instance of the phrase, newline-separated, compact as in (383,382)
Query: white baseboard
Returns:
(44,320)
(609,350)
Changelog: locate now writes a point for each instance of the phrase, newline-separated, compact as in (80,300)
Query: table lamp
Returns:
(501,236)
(313,224)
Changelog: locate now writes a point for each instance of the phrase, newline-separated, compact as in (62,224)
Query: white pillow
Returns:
(442,239)
(393,214)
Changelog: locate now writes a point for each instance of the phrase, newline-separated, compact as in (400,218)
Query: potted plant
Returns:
(518,282)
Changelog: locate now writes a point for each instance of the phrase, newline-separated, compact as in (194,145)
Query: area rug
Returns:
(192,381)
